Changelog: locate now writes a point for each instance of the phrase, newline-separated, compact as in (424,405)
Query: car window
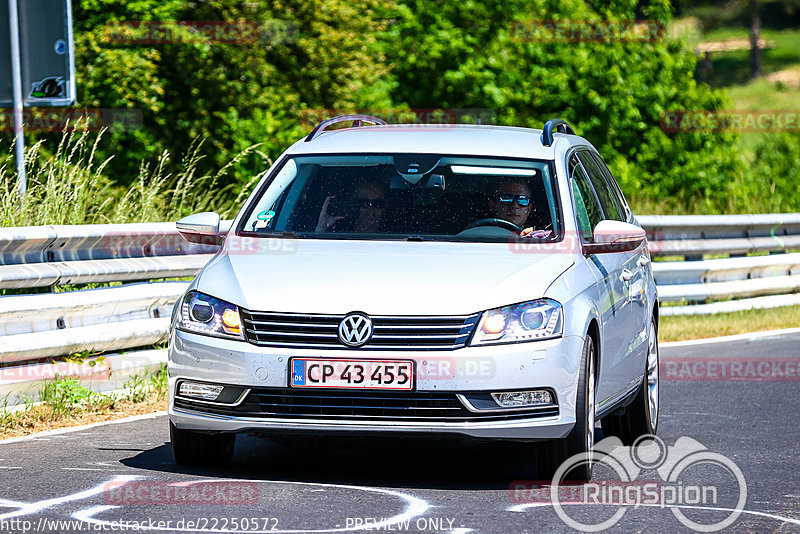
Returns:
(607,196)
(587,208)
(403,196)
(614,185)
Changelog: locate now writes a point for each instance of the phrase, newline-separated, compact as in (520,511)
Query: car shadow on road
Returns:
(365,461)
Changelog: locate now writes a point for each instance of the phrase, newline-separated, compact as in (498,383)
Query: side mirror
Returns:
(615,236)
(201,228)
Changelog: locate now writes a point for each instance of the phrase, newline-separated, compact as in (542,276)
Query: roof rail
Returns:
(356,119)
(558,125)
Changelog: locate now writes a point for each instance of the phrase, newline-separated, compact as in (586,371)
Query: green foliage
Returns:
(614,93)
(235,105)
(234,94)
(773,176)
(87,357)
(70,187)
(65,395)
(141,386)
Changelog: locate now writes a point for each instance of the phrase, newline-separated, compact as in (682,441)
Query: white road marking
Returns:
(415,508)
(523,507)
(82,469)
(725,339)
(34,507)
(39,435)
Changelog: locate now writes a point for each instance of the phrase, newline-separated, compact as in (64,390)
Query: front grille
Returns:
(287,403)
(390,332)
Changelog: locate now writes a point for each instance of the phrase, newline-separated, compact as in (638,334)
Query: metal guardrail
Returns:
(34,327)
(695,235)
(754,281)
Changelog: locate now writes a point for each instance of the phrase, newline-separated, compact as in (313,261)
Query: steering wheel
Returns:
(500,223)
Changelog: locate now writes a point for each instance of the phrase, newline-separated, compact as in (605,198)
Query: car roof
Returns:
(460,139)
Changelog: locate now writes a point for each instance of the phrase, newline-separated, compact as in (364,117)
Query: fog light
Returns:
(199,391)
(515,399)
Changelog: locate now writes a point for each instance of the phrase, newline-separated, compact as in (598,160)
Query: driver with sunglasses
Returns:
(512,202)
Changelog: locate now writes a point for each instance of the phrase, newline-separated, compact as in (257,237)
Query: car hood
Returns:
(379,277)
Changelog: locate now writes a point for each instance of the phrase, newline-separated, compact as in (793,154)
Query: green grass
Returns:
(732,72)
(677,328)
(65,399)
(70,187)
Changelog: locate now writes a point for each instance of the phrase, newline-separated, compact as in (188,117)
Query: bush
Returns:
(71,187)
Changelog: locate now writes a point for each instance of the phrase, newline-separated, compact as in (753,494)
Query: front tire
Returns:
(550,455)
(194,448)
(640,416)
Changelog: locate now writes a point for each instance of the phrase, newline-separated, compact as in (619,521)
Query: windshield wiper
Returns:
(289,235)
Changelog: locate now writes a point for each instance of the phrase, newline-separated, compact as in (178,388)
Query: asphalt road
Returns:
(118,476)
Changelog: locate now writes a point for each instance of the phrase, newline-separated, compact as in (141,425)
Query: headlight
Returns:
(204,314)
(528,321)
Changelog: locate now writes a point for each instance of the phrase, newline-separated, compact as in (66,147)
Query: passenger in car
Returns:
(369,203)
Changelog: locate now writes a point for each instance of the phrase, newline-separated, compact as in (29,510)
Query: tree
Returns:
(615,92)
(755,37)
(235,89)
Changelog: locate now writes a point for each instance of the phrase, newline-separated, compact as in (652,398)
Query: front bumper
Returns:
(551,364)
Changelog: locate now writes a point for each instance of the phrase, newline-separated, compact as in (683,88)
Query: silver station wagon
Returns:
(485,282)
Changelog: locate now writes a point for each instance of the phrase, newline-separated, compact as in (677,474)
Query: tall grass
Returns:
(70,187)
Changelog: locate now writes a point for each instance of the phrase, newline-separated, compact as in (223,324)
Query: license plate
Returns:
(366,374)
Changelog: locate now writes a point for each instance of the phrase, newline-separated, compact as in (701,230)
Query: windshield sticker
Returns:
(264,219)
(265,215)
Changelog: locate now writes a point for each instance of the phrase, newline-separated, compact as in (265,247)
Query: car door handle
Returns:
(644,261)
(626,276)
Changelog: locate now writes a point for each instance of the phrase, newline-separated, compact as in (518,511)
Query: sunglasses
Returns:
(378,203)
(521,200)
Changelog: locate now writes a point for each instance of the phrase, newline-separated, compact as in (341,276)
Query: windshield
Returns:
(406,196)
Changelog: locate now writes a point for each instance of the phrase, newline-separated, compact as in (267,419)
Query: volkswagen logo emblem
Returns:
(355,330)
